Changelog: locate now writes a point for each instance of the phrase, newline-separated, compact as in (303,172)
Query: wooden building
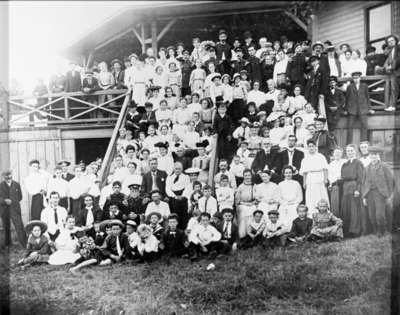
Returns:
(69,131)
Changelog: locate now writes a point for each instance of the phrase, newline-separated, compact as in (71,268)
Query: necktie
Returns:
(55,216)
(205,205)
(201,164)
(119,250)
(176,178)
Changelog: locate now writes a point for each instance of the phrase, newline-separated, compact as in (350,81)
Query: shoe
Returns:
(390,109)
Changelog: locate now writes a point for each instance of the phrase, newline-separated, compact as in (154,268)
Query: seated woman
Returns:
(245,201)
(301,133)
(280,107)
(325,225)
(66,245)
(207,112)
(171,98)
(266,191)
(164,114)
(278,134)
(308,115)
(296,102)
(37,247)
(256,96)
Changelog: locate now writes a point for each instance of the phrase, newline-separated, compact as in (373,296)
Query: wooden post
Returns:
(66,109)
(143,36)
(154,36)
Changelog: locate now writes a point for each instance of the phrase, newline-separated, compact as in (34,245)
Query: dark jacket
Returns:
(254,69)
(394,63)
(357,101)
(147,182)
(42,248)
(12,192)
(173,241)
(336,99)
(93,85)
(282,159)
(96,212)
(110,245)
(262,159)
(223,48)
(316,85)
(296,69)
(383,178)
(119,79)
(73,83)
(116,198)
(234,235)
(239,65)
(222,125)
(326,143)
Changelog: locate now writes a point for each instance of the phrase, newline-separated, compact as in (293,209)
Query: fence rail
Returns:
(65,108)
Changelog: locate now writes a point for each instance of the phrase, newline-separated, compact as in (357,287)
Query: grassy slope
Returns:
(352,277)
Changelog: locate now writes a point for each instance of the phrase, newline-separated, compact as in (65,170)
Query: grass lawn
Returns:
(351,277)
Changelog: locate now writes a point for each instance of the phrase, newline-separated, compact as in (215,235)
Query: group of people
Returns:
(281,176)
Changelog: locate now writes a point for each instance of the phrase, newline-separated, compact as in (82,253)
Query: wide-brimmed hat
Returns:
(317,43)
(31,224)
(114,61)
(131,223)
(158,214)
(104,224)
(244,120)
(116,222)
(67,163)
(193,170)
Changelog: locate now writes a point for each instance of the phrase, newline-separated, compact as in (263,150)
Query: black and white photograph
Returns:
(199,157)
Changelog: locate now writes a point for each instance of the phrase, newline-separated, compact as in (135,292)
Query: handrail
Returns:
(213,164)
(63,94)
(111,149)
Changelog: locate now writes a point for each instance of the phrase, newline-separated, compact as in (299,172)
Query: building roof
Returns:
(133,16)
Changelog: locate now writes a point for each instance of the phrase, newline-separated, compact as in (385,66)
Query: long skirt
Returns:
(63,257)
(354,218)
(244,216)
(237,110)
(335,201)
(76,205)
(139,93)
(36,206)
(180,207)
(314,193)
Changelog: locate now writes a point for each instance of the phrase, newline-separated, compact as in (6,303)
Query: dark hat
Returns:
(313,58)
(202,144)
(317,43)
(370,49)
(375,149)
(173,216)
(142,57)
(328,43)
(344,44)
(134,186)
(114,61)
(185,51)
(330,48)
(276,212)
(161,145)
(321,119)
(131,223)
(356,74)
(34,162)
(222,31)
(247,34)
(116,222)
(258,211)
(133,104)
(333,78)
(67,163)
(227,210)
(158,214)
(237,49)
(31,224)
(217,215)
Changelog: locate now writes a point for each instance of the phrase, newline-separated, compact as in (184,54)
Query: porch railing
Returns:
(65,108)
(378,88)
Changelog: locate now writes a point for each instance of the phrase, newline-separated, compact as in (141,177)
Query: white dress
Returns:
(139,83)
(66,247)
(314,165)
(264,193)
(291,195)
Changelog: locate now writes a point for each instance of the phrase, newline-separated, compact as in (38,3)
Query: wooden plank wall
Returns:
(344,22)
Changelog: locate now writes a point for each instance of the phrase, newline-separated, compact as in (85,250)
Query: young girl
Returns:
(301,133)
(227,88)
(308,115)
(251,114)
(197,78)
(254,139)
(160,78)
(144,161)
(181,118)
(171,98)
(208,80)
(196,195)
(163,114)
(207,112)
(216,88)
(154,223)
(87,249)
(174,78)
(37,247)
(237,109)
(148,244)
(255,230)
(225,194)
(326,226)
(151,139)
(277,133)
(236,168)
(244,80)
(165,135)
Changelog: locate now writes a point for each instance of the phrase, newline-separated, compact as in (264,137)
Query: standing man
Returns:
(254,65)
(357,106)
(36,185)
(54,216)
(10,209)
(186,69)
(65,174)
(377,192)
(334,103)
(316,84)
(224,53)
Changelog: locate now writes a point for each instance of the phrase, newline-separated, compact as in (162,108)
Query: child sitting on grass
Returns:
(193,221)
(115,245)
(87,249)
(37,247)
(301,226)
(229,231)
(196,195)
(148,244)
(255,230)
(275,231)
(173,241)
(154,219)
(133,238)
(204,238)
(326,227)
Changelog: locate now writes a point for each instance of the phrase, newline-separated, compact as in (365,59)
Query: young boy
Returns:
(236,168)
(113,212)
(326,226)
(275,231)
(208,203)
(99,236)
(243,131)
(229,231)
(251,115)
(115,245)
(225,194)
(133,239)
(204,238)
(135,207)
(254,230)
(243,153)
(173,240)
(193,221)
(118,198)
(195,196)
(301,227)
(154,219)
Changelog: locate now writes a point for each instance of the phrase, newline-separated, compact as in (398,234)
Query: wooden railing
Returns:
(378,88)
(112,146)
(213,164)
(65,108)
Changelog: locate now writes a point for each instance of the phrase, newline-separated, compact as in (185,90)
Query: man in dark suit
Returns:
(148,117)
(331,62)
(334,103)
(239,64)
(153,180)
(73,81)
(254,65)
(317,82)
(66,175)
(297,67)
(290,156)
(224,53)
(132,119)
(229,231)
(10,209)
(89,86)
(118,74)
(265,158)
(223,127)
(357,106)
(248,41)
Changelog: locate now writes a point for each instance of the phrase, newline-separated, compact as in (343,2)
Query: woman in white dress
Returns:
(66,245)
(314,169)
(301,133)
(139,83)
(227,88)
(266,193)
(256,96)
(245,202)
(291,196)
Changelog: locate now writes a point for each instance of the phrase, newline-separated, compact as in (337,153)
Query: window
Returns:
(389,140)
(379,25)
